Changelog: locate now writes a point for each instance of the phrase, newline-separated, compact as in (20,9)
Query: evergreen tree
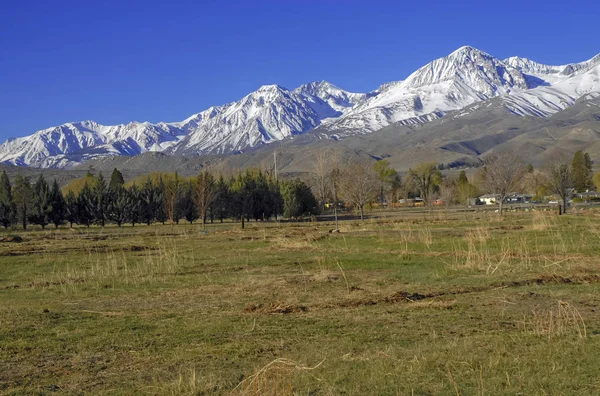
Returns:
(71,206)
(6,201)
(160,213)
(58,207)
(186,204)
(298,200)
(22,195)
(220,208)
(116,180)
(117,209)
(581,171)
(149,200)
(86,206)
(134,207)
(99,200)
(40,209)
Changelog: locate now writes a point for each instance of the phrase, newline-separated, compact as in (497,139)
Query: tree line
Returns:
(359,182)
(163,198)
(258,195)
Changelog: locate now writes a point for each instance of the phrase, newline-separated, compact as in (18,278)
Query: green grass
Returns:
(465,304)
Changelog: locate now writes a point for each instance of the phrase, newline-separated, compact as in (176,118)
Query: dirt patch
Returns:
(11,238)
(275,308)
(407,297)
(136,248)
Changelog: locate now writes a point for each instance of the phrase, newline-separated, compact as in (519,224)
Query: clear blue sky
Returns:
(116,61)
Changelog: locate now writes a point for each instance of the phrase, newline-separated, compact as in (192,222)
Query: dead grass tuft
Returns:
(562,320)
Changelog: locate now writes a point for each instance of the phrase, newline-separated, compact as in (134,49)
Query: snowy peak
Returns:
(477,69)
(327,100)
(550,74)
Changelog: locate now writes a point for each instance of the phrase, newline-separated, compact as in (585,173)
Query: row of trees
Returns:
(258,195)
(359,182)
(163,198)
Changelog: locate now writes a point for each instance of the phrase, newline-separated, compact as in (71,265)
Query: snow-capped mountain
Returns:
(465,76)
(273,113)
(548,75)
(544,101)
(329,101)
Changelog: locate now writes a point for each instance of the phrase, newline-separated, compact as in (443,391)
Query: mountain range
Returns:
(452,108)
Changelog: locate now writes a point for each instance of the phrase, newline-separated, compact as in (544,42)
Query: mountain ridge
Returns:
(274,113)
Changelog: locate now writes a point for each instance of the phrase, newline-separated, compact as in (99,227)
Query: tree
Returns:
(205,192)
(171,192)
(150,201)
(119,204)
(426,179)
(503,174)
(385,175)
(396,188)
(464,189)
(58,207)
(159,197)
(561,183)
(99,201)
(22,194)
(40,209)
(116,180)
(187,205)
(335,182)
(462,178)
(134,210)
(448,192)
(71,206)
(221,205)
(6,201)
(596,181)
(359,184)
(298,199)
(320,176)
(86,204)
(581,171)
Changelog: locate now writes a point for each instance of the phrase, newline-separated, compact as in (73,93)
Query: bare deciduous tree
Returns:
(335,181)
(425,178)
(448,193)
(360,184)
(205,192)
(503,175)
(171,192)
(560,181)
(321,175)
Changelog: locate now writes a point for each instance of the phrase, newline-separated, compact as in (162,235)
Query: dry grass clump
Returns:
(542,221)
(99,268)
(188,382)
(562,320)
(274,378)
(295,243)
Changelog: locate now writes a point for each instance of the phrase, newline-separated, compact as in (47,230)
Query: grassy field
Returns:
(420,305)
